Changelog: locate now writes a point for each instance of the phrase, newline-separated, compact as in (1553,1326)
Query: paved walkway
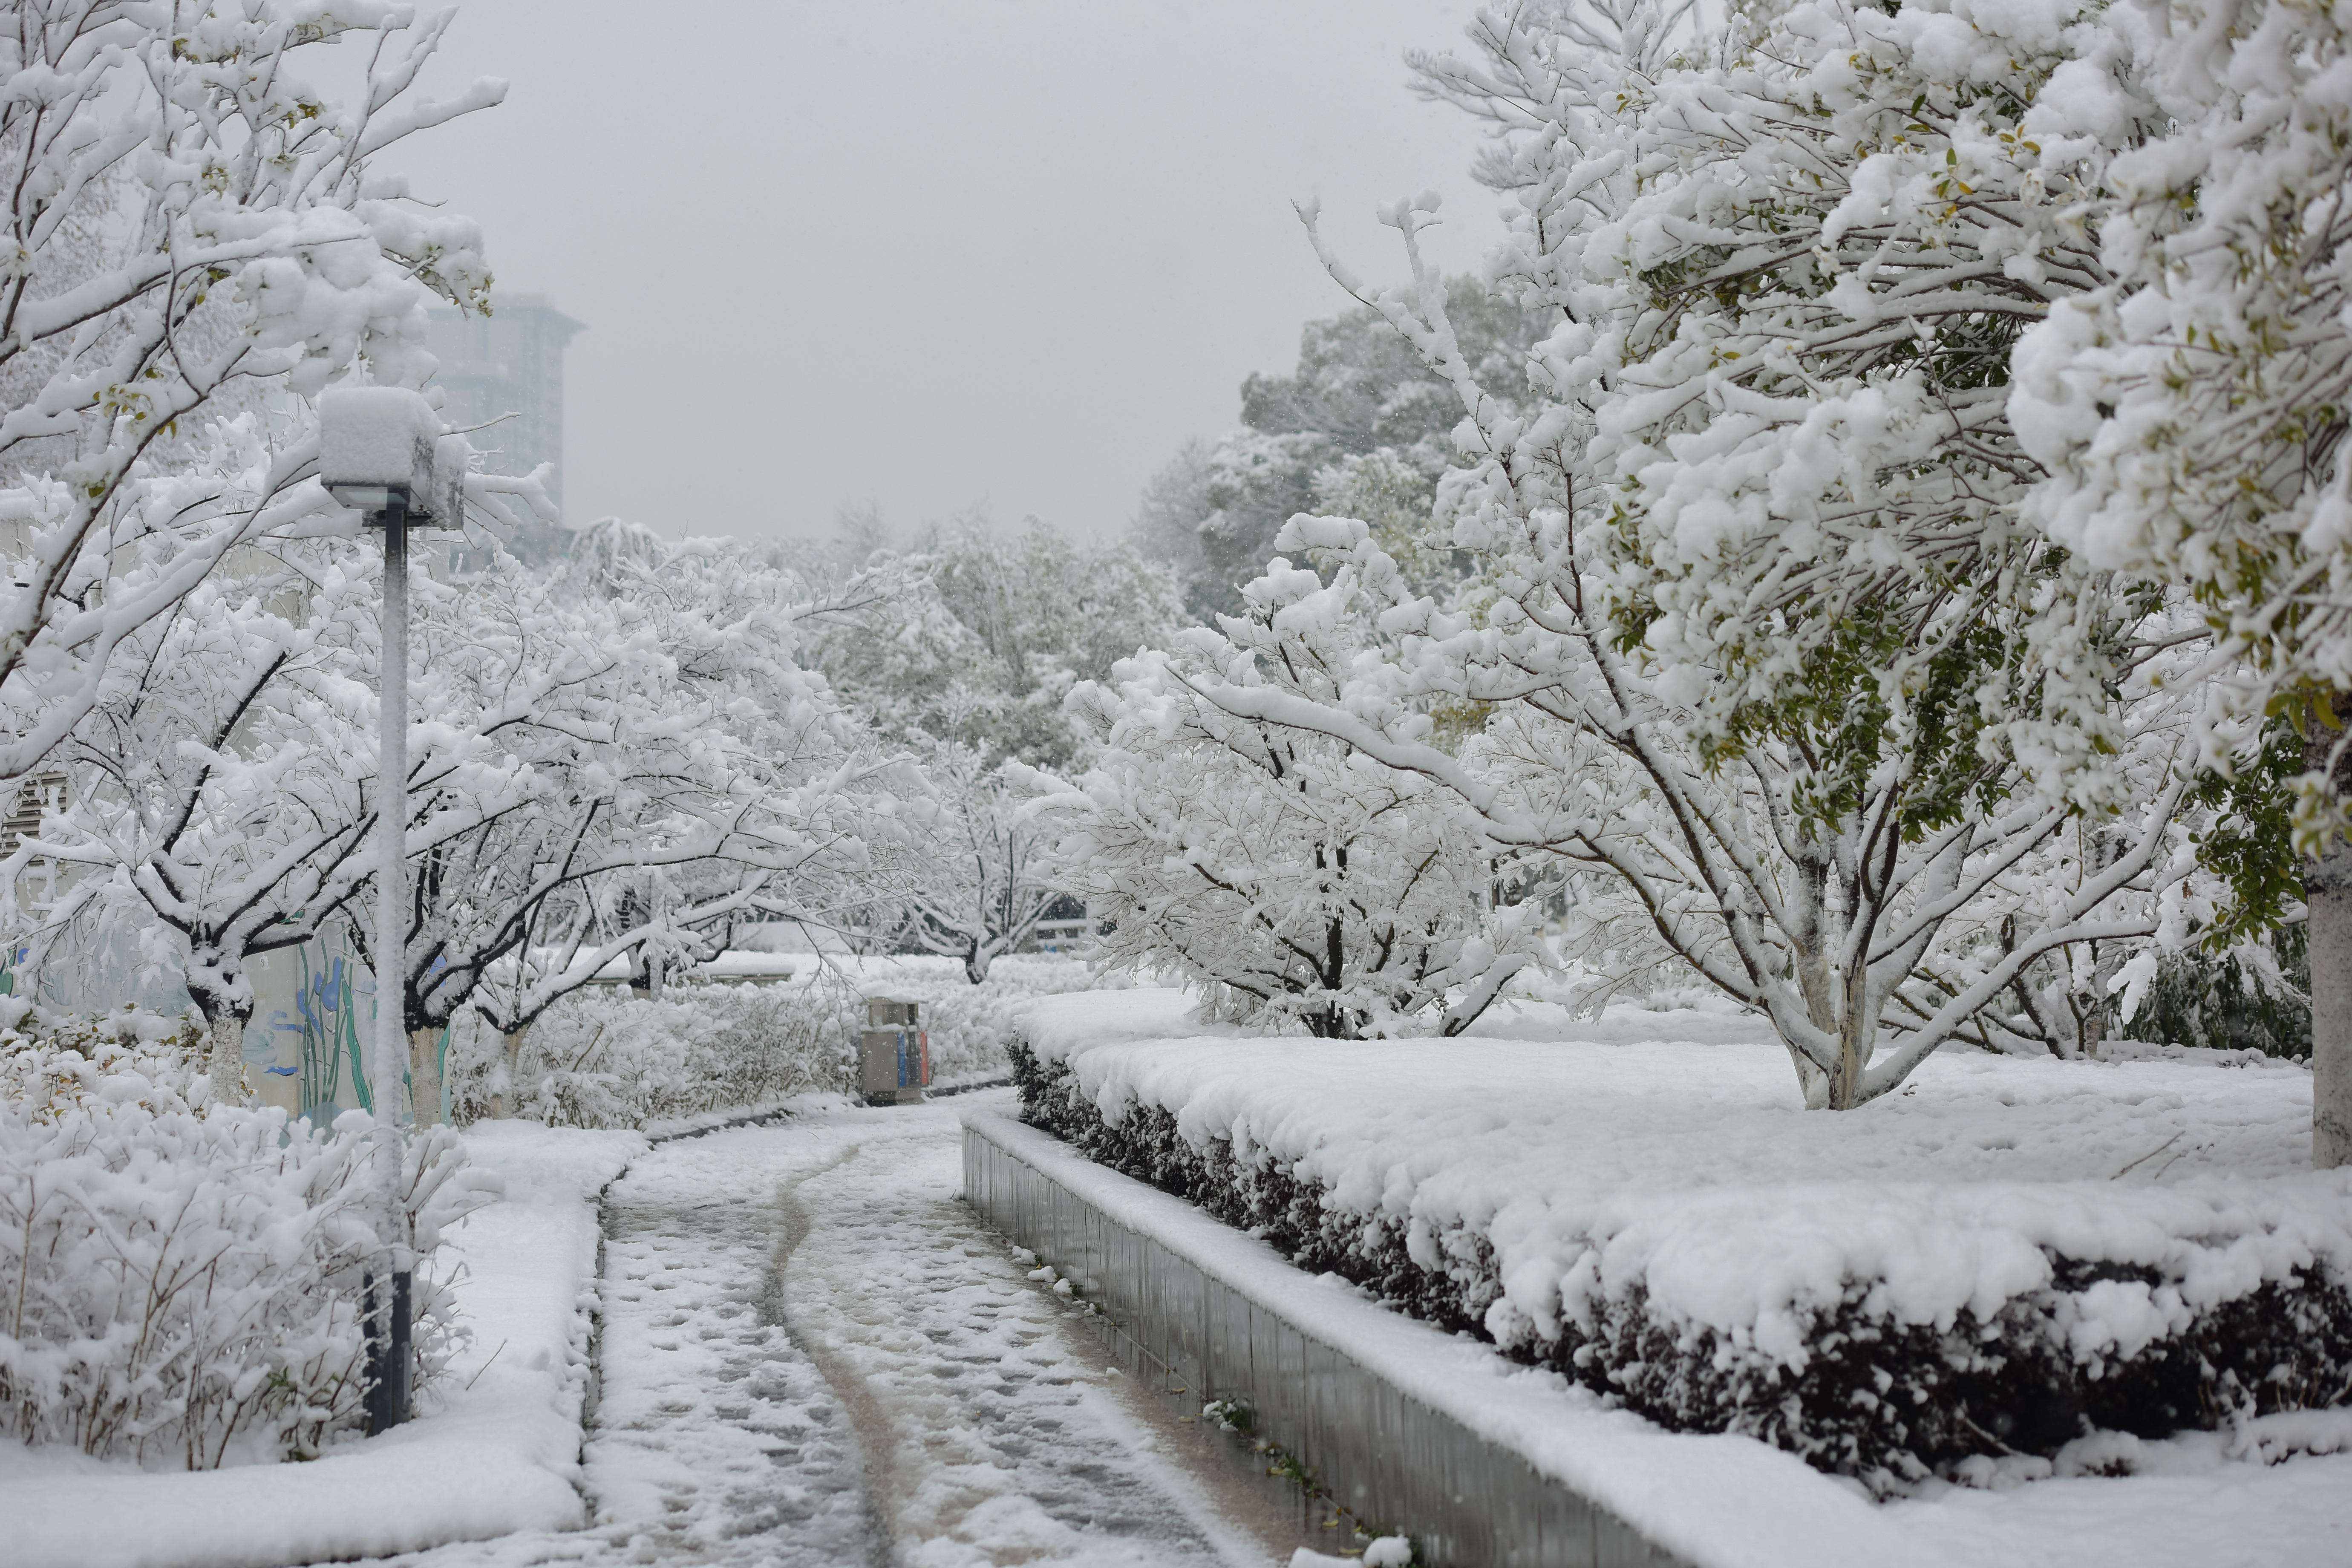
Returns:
(814,1353)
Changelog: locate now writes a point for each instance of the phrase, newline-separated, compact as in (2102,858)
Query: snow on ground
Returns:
(1678,1139)
(500,1453)
(1678,1142)
(814,1352)
(2210,1512)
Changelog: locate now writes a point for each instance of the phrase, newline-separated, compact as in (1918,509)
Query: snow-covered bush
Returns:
(605,1057)
(2255,997)
(184,1281)
(1291,874)
(1886,1329)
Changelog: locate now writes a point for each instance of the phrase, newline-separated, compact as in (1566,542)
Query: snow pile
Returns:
(607,1058)
(2005,1255)
(494,1447)
(183,1285)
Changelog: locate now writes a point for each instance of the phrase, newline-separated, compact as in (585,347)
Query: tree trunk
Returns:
(227,1057)
(2327,894)
(424,1076)
(1856,1032)
(503,1100)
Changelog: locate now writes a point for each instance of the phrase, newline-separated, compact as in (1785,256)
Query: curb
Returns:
(1392,1460)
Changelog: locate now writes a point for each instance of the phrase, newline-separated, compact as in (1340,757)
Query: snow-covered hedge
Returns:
(179,1283)
(2007,1260)
(605,1057)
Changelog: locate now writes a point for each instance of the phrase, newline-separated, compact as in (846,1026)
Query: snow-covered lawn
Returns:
(1659,1164)
(500,1453)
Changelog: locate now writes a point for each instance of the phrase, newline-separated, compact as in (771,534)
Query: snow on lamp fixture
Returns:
(381,452)
(377,450)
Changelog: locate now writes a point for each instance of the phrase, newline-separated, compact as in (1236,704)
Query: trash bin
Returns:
(894,1055)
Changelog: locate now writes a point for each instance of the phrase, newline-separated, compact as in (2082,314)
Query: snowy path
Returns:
(814,1353)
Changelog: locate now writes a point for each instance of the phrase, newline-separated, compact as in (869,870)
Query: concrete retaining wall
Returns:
(1390,1458)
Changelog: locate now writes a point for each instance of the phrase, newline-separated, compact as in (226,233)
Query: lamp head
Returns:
(378,444)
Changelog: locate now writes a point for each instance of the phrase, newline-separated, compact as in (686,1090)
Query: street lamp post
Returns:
(380,452)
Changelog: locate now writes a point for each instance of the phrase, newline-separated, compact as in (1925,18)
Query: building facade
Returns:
(504,374)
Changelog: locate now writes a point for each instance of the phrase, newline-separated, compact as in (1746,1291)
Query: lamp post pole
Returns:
(382,453)
(387,1400)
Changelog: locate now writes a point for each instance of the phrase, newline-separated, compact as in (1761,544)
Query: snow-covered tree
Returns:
(190,216)
(973,638)
(963,649)
(216,796)
(2191,414)
(1166,526)
(1357,396)
(662,764)
(983,874)
(653,749)
(1781,664)
(1289,874)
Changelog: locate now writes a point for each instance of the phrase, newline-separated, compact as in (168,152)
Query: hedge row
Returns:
(1882,1401)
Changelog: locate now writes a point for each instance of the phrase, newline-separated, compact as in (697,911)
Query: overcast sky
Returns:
(928,253)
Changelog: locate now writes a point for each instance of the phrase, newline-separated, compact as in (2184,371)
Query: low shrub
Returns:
(2256,997)
(181,1284)
(603,1057)
(1860,1391)
(607,1058)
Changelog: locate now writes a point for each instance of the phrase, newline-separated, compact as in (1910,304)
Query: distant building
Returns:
(509,363)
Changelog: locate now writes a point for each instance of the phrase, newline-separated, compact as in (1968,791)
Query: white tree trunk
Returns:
(2327,893)
(424,1076)
(228,1059)
(502,1101)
